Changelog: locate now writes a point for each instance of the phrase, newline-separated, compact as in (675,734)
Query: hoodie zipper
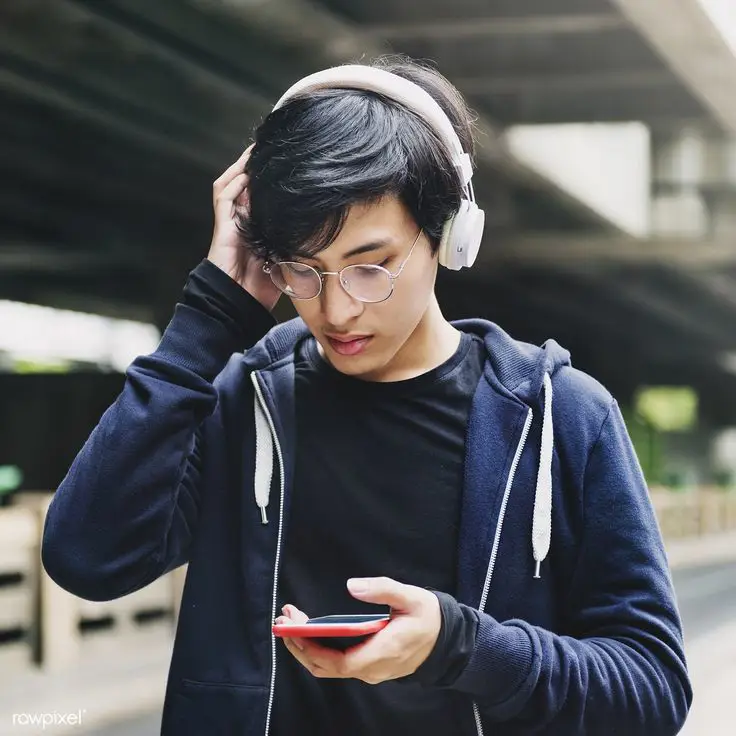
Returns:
(497,537)
(264,406)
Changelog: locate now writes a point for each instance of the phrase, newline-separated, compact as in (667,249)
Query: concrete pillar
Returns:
(678,164)
(694,184)
(56,634)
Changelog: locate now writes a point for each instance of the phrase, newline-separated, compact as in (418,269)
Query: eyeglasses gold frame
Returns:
(267,268)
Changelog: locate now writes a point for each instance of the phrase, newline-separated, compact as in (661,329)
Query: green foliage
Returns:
(36,366)
(667,408)
(647,441)
(11,477)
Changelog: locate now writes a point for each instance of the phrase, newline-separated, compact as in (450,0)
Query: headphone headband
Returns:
(403,91)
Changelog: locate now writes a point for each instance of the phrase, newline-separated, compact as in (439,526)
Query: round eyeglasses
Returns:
(364,282)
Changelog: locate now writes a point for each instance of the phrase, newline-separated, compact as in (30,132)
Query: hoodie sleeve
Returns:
(127,510)
(622,669)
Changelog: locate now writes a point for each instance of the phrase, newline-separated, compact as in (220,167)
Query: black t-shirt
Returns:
(377,491)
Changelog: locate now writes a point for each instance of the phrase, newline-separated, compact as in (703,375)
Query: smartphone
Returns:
(337,631)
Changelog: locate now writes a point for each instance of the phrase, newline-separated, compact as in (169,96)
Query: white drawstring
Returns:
(264,459)
(542,523)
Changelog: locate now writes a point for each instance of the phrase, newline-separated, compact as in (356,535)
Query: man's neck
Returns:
(433,342)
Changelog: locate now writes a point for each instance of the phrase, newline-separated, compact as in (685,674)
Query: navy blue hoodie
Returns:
(560,550)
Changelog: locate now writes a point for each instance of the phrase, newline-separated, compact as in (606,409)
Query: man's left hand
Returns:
(394,652)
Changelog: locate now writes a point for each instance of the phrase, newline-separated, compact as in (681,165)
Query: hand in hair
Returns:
(228,250)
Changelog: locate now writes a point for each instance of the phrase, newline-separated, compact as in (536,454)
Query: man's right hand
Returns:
(228,251)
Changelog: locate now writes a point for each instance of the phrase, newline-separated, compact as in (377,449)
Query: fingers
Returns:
(224,201)
(233,189)
(230,173)
(329,664)
(373,666)
(363,660)
(398,596)
(304,652)
(296,616)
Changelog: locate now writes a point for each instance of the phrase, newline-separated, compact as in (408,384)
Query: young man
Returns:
(370,455)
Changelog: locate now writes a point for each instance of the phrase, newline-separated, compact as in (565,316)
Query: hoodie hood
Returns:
(524,372)
(520,371)
(517,369)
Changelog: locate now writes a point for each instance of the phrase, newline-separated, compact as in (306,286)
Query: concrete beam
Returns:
(550,304)
(53,94)
(686,38)
(71,67)
(712,295)
(669,308)
(34,258)
(121,23)
(43,58)
(22,160)
(653,317)
(26,204)
(672,301)
(585,312)
(331,41)
(457,30)
(598,252)
(577,83)
(719,285)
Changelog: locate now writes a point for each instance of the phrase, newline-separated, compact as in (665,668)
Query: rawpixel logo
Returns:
(49,720)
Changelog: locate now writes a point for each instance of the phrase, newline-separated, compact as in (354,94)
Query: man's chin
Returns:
(351,366)
(366,366)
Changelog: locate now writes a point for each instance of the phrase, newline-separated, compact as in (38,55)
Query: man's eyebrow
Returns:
(367,248)
(358,250)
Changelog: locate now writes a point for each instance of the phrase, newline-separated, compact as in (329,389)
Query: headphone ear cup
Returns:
(472,234)
(455,242)
(462,236)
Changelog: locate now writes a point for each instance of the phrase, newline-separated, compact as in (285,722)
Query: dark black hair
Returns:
(323,152)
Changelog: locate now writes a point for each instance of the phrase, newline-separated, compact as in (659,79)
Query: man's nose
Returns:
(338,307)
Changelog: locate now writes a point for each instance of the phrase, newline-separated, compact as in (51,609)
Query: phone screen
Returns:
(348,619)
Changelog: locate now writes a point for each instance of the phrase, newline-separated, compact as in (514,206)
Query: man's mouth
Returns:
(348,344)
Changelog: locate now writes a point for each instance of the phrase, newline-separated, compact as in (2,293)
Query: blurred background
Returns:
(607,170)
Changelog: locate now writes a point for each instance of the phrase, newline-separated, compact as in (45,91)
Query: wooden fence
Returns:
(695,513)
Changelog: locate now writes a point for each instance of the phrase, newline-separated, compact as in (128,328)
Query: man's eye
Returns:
(298,268)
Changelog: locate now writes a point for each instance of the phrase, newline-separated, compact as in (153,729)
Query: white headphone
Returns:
(463,232)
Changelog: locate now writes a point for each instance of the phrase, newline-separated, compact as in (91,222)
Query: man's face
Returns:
(371,340)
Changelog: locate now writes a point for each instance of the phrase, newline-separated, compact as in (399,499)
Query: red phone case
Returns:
(309,631)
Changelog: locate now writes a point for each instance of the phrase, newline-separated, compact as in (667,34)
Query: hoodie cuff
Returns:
(454,645)
(212,291)
(502,662)
(216,318)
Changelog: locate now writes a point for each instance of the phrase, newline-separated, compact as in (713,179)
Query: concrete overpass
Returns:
(116,116)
